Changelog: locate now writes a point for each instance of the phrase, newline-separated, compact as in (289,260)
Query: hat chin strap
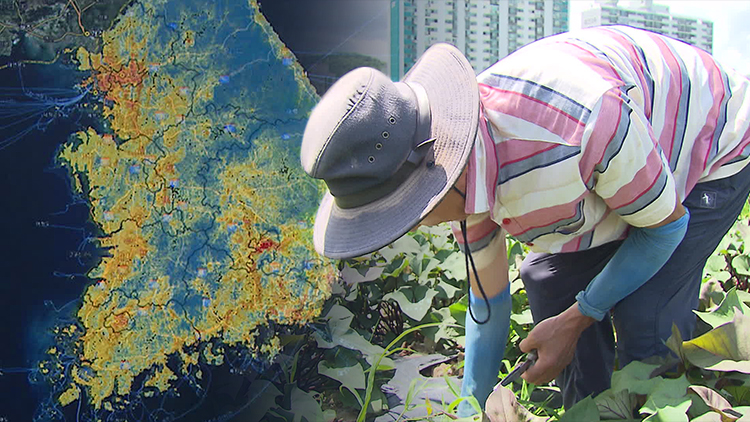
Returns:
(421,143)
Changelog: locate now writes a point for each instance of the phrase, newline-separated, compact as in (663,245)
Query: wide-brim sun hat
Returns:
(389,151)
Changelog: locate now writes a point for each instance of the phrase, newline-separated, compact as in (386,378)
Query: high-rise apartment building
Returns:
(484,30)
(653,17)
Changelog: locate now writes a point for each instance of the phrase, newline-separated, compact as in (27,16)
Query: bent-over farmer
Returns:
(619,156)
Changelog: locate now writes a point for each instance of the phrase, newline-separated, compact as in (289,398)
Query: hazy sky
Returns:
(731,20)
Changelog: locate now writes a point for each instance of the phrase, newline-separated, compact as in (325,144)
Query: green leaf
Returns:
(447,328)
(716,417)
(676,413)
(674,342)
(712,293)
(635,377)
(668,392)
(428,264)
(414,310)
(341,334)
(455,266)
(725,348)
(351,377)
(715,263)
(716,402)
(515,285)
(447,290)
(262,397)
(741,264)
(741,393)
(407,244)
(616,405)
(352,276)
(725,312)
(502,406)
(523,318)
(459,309)
(305,405)
(438,235)
(585,410)
(397,267)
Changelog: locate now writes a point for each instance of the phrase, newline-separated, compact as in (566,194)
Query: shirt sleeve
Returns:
(484,238)
(623,163)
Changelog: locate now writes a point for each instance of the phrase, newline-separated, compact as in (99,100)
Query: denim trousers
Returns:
(643,320)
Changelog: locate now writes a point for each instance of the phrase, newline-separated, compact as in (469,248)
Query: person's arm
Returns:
(488,323)
(489,252)
(640,256)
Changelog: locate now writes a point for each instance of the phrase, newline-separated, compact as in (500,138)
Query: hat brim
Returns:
(451,87)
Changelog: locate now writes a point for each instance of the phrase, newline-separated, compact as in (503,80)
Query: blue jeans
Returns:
(644,319)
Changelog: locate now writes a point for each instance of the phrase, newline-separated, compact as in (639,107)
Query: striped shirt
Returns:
(586,133)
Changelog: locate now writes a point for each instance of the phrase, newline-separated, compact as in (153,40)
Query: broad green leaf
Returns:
(741,393)
(716,402)
(446,330)
(725,312)
(502,406)
(438,235)
(305,405)
(712,398)
(635,377)
(428,265)
(725,348)
(515,285)
(667,393)
(741,264)
(616,405)
(339,319)
(674,342)
(585,410)
(523,318)
(448,290)
(715,263)
(455,266)
(352,276)
(414,310)
(396,267)
(459,309)
(341,334)
(676,413)
(743,412)
(262,398)
(712,293)
(351,377)
(389,253)
(407,244)
(723,275)
(743,296)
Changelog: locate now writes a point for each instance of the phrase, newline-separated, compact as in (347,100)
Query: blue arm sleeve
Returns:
(640,256)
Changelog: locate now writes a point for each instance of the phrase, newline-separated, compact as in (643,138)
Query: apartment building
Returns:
(484,30)
(653,17)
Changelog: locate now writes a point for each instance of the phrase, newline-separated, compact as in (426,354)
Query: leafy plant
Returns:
(408,299)
(711,380)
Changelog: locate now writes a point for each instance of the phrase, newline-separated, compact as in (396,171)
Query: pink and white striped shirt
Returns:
(585,133)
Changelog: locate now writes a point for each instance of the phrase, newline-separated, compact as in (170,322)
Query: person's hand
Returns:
(555,340)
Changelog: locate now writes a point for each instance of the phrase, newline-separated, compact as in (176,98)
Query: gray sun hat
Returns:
(389,151)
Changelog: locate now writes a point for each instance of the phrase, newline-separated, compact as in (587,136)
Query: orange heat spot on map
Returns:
(197,190)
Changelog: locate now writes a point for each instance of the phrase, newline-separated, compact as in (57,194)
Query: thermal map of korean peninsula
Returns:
(197,190)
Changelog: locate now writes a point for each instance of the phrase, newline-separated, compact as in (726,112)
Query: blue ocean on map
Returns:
(45,250)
